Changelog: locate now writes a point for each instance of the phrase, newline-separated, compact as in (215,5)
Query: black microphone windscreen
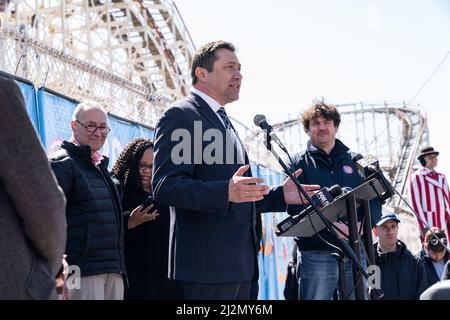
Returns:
(258,119)
(335,190)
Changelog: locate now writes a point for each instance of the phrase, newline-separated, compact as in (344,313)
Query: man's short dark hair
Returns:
(206,56)
(320,108)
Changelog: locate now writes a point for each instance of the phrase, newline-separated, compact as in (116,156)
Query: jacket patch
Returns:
(347,169)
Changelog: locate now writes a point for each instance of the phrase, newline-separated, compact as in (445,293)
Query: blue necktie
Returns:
(228,126)
(226,121)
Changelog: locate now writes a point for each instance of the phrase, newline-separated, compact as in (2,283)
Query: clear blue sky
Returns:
(293,51)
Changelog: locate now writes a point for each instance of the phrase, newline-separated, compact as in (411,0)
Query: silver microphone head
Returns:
(258,119)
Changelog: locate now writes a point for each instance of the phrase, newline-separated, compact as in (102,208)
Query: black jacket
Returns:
(93,211)
(403,275)
(147,252)
(326,171)
(432,276)
(446,273)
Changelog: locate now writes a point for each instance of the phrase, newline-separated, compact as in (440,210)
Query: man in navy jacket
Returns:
(403,275)
(95,235)
(326,162)
(201,170)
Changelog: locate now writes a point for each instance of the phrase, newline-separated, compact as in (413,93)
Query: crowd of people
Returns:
(176,220)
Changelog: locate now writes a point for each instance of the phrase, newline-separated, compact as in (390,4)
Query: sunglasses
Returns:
(435,242)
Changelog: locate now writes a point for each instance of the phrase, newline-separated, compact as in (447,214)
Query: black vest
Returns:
(94,220)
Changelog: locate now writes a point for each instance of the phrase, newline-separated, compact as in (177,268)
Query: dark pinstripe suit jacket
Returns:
(211,240)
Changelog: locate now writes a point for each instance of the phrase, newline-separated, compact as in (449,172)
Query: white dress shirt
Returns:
(215,106)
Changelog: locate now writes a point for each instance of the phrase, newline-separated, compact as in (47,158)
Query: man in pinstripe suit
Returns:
(201,172)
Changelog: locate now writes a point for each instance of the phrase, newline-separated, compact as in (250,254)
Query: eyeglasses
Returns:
(143,166)
(92,128)
(435,242)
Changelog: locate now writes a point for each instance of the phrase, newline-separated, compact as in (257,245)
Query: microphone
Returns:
(371,168)
(346,190)
(320,199)
(261,121)
(368,164)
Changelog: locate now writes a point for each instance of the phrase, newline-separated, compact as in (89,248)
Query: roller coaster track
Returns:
(132,55)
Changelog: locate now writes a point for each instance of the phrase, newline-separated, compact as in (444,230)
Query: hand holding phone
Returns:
(143,213)
(150,200)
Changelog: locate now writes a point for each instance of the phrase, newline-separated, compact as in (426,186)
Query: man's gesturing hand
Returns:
(291,193)
(245,189)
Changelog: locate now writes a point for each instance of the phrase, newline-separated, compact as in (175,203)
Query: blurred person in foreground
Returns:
(32,220)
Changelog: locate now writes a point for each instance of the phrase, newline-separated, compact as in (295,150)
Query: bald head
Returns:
(85,106)
(90,125)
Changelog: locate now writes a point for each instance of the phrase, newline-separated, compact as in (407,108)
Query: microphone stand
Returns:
(344,246)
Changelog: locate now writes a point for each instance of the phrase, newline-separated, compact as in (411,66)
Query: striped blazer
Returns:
(211,240)
(430,198)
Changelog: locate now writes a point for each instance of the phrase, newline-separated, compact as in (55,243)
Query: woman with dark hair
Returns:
(147,232)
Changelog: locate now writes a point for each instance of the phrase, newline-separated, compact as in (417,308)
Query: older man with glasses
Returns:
(94,221)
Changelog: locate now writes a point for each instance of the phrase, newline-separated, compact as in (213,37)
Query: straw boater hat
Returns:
(426,152)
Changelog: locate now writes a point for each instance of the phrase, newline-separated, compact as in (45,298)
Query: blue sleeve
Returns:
(273,202)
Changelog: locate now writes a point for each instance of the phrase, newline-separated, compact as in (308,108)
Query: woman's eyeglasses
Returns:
(143,166)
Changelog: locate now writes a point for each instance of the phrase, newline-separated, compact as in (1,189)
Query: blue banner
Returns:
(55,114)
(276,252)
(29,96)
